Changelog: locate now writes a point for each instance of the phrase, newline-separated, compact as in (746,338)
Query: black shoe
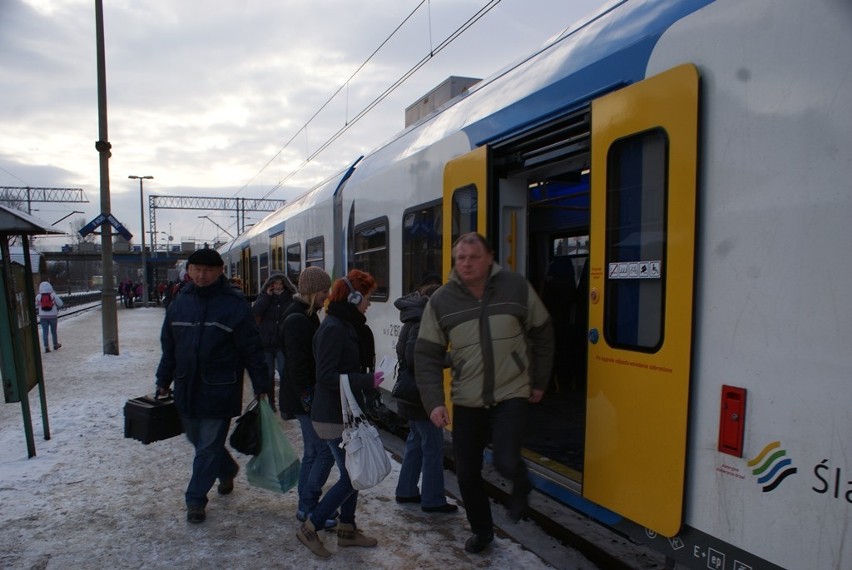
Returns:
(414,499)
(477,543)
(445,508)
(226,486)
(195,514)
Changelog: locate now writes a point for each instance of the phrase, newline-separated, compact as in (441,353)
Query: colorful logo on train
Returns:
(771,466)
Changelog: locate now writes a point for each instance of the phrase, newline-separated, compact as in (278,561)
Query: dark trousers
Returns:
(503,426)
(212,459)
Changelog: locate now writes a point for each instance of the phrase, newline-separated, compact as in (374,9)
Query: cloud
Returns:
(202,95)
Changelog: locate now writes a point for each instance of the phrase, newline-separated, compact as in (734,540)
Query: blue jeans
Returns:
(212,460)
(316,465)
(504,426)
(341,496)
(48,323)
(424,453)
(274,361)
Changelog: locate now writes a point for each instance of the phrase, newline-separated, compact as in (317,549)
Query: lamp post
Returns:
(142,231)
(217,225)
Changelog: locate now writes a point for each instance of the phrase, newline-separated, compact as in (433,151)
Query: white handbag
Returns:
(366,460)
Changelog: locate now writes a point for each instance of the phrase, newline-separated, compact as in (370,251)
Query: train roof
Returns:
(606,51)
(275,222)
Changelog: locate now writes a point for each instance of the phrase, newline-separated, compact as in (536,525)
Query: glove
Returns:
(377,378)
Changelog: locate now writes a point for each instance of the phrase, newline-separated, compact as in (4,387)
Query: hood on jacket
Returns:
(411,306)
(45,288)
(274,277)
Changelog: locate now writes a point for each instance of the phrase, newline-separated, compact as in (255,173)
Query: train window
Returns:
(294,262)
(315,252)
(635,241)
(464,210)
(422,234)
(264,267)
(371,255)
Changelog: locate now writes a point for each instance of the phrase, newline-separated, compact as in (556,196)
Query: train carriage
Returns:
(673,178)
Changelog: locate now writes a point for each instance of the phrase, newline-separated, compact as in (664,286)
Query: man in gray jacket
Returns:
(501,352)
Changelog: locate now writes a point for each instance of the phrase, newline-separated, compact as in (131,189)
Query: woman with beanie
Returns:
(343,344)
(301,322)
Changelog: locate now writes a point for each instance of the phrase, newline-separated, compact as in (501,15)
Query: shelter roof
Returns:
(16,222)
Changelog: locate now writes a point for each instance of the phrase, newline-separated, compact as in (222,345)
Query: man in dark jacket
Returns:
(208,336)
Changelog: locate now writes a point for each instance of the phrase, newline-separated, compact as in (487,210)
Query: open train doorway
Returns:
(541,180)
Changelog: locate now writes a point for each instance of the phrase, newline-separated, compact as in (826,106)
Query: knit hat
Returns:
(313,280)
(206,256)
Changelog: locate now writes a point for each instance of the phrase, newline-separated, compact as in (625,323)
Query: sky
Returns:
(225,98)
(91,498)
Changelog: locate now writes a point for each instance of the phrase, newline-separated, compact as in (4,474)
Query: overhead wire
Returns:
(333,95)
(433,51)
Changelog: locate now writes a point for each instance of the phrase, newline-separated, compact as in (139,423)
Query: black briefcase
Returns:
(151,419)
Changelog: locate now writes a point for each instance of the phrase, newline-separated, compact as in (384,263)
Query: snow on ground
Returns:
(93,499)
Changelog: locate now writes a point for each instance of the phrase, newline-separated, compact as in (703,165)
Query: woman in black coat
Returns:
(342,345)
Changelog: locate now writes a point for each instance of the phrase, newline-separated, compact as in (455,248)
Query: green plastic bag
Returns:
(276,467)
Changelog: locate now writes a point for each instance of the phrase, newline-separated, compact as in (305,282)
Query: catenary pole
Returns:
(109,318)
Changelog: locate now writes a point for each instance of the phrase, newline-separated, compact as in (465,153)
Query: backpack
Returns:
(46,301)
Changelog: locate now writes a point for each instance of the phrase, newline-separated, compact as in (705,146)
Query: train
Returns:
(673,178)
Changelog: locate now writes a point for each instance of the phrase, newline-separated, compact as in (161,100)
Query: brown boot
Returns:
(307,535)
(348,535)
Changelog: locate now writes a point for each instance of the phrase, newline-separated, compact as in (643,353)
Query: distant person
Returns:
(301,321)
(208,335)
(47,304)
(501,353)
(343,344)
(274,297)
(129,294)
(167,294)
(236,282)
(424,447)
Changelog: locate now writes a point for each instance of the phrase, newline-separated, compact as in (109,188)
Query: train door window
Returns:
(253,267)
(315,252)
(264,267)
(422,233)
(276,249)
(464,210)
(371,254)
(635,241)
(294,262)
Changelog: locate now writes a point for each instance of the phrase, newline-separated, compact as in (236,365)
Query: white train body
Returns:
(696,157)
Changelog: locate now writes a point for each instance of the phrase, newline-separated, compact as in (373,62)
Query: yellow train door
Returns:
(465,198)
(644,150)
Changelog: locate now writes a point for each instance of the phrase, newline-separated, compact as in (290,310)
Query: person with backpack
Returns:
(48,303)
(272,301)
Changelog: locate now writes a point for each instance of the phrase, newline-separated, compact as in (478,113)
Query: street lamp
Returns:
(142,228)
(67,216)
